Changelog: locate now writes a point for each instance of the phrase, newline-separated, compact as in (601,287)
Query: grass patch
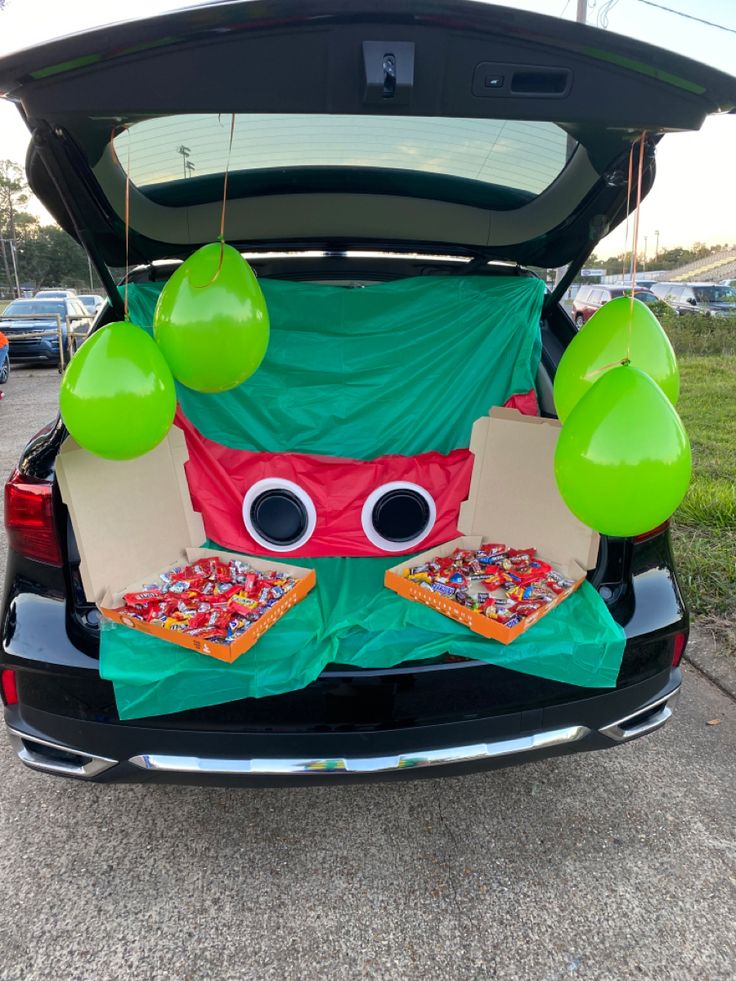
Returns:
(704,527)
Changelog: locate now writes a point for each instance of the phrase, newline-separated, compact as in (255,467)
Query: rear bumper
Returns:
(106,752)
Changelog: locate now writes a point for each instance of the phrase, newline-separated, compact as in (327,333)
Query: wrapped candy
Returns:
(212,599)
(505,584)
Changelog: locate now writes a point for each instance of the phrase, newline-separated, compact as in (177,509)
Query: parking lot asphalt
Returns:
(598,866)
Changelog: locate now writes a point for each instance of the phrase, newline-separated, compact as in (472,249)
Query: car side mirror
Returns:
(692,300)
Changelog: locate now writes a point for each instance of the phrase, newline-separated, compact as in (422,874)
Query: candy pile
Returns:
(211,599)
(505,584)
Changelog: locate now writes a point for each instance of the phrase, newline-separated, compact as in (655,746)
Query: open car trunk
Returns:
(478,134)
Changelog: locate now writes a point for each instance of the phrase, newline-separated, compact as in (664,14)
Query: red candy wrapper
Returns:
(208,599)
(141,601)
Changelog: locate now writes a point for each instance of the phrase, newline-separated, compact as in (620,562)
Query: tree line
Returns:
(32,255)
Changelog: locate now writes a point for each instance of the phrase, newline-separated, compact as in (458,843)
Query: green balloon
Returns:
(211,320)
(622,460)
(117,397)
(616,331)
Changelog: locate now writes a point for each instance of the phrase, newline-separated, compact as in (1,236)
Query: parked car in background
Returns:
(54,294)
(92,301)
(27,325)
(588,299)
(711,299)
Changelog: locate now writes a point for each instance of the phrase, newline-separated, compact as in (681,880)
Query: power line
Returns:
(604,12)
(680,13)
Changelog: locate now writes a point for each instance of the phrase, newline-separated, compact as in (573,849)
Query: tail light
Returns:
(678,649)
(29,519)
(8,687)
(659,530)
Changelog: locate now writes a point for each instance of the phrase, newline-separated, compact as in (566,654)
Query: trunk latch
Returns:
(389,72)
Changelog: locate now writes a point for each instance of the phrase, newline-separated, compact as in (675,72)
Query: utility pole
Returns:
(656,247)
(646,239)
(15,268)
(184,151)
(5,263)
(580,17)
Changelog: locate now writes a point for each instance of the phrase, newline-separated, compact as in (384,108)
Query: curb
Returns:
(712,658)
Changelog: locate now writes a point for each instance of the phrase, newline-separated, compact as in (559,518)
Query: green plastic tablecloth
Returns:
(352,618)
(402,367)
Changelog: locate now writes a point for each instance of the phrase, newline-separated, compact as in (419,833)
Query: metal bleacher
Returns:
(712,269)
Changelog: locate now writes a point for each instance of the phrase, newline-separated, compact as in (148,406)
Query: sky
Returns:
(693,197)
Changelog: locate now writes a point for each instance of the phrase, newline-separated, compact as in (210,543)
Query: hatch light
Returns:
(29,519)
(678,648)
(8,687)
(659,530)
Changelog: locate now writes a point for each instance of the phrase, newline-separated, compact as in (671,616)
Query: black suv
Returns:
(442,138)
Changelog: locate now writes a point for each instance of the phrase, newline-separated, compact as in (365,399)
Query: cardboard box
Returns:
(133,520)
(513,499)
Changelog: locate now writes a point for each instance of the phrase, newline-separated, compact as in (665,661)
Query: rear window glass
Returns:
(526,156)
(714,294)
(36,308)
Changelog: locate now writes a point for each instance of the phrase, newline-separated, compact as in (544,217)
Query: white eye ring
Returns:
(277,483)
(386,544)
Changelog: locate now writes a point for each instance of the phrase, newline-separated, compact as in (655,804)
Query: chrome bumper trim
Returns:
(361,764)
(628,728)
(89,765)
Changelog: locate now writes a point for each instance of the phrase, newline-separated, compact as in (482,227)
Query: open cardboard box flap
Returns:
(131,518)
(513,500)
(513,495)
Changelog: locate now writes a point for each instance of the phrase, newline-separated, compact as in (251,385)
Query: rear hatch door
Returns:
(457,126)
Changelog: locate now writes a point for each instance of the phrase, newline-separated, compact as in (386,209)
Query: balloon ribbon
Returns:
(221,236)
(635,245)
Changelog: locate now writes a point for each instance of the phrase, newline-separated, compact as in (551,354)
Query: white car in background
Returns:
(92,301)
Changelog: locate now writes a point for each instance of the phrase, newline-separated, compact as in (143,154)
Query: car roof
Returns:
(277,62)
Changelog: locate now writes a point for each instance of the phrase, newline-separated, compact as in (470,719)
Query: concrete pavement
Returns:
(600,866)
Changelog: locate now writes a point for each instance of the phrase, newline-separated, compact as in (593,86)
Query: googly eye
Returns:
(398,515)
(279,514)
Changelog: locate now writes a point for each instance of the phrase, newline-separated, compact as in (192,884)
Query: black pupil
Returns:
(400,515)
(279,516)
